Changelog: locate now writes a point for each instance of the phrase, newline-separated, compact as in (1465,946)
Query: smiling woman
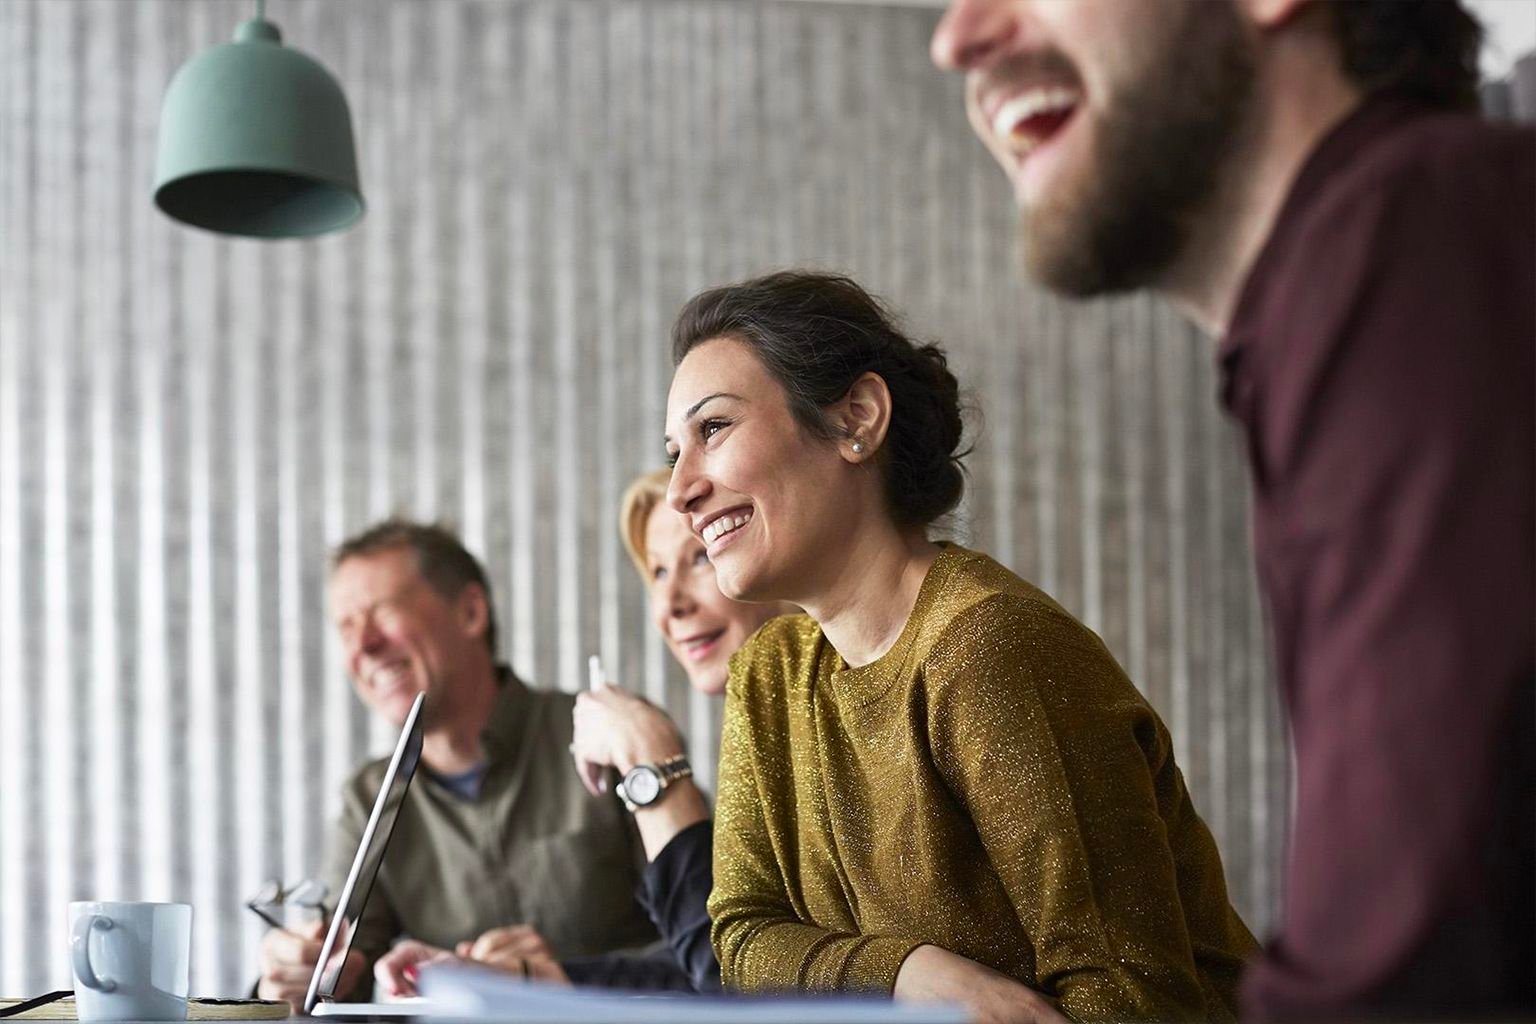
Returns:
(935,783)
(620,731)
(701,626)
(781,358)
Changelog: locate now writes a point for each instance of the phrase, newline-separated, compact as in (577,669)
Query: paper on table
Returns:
(475,993)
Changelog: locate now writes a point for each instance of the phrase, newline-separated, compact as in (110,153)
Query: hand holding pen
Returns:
(616,730)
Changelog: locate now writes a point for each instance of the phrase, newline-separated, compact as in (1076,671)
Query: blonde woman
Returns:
(619,732)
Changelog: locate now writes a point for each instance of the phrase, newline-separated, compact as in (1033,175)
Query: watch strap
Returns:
(674,768)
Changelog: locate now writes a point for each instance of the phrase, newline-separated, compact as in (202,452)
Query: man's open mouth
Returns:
(1029,120)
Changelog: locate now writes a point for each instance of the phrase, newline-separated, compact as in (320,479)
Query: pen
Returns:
(595,681)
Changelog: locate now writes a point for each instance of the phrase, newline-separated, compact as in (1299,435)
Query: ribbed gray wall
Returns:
(188,422)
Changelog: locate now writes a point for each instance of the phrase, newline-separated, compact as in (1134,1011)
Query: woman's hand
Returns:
(617,729)
(518,949)
(395,971)
(932,974)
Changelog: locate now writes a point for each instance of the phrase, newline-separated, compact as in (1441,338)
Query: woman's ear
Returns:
(864,415)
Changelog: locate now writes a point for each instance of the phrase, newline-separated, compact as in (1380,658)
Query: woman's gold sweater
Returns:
(993,785)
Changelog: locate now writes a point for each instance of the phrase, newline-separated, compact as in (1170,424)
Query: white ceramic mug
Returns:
(131,961)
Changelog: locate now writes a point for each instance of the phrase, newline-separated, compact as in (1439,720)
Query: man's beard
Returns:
(1160,153)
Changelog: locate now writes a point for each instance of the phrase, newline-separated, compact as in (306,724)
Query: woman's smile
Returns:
(723,530)
(701,645)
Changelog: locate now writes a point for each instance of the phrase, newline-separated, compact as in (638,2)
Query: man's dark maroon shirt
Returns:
(1382,361)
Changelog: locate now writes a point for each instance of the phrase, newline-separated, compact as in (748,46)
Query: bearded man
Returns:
(1311,184)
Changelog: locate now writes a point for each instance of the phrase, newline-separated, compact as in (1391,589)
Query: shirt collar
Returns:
(502,731)
(1340,145)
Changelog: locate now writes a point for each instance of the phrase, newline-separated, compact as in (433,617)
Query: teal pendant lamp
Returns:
(256,140)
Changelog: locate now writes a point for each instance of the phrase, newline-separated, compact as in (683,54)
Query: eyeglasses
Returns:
(272,898)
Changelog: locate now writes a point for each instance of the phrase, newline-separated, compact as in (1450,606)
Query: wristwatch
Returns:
(644,783)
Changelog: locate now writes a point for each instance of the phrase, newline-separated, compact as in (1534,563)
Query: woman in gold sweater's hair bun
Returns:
(935,783)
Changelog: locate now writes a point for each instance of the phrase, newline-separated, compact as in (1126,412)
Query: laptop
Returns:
(320,1000)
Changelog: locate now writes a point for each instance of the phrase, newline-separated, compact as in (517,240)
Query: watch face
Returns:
(642,785)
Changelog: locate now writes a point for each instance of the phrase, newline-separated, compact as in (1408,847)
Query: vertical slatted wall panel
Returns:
(187,423)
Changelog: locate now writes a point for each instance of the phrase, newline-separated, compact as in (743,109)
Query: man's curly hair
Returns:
(1426,50)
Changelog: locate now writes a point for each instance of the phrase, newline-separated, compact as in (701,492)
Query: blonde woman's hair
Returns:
(635,509)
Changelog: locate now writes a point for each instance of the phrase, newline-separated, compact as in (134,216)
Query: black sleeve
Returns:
(655,972)
(673,892)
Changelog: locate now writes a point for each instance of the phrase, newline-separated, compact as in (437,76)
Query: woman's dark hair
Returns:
(1423,49)
(816,334)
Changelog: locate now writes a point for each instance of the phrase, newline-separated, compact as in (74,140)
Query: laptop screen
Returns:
(365,865)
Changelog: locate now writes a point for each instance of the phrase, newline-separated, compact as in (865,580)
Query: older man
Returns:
(1310,182)
(497,832)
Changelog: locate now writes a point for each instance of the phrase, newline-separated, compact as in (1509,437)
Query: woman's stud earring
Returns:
(858,447)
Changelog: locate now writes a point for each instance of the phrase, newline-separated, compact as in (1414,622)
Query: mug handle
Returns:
(80,951)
